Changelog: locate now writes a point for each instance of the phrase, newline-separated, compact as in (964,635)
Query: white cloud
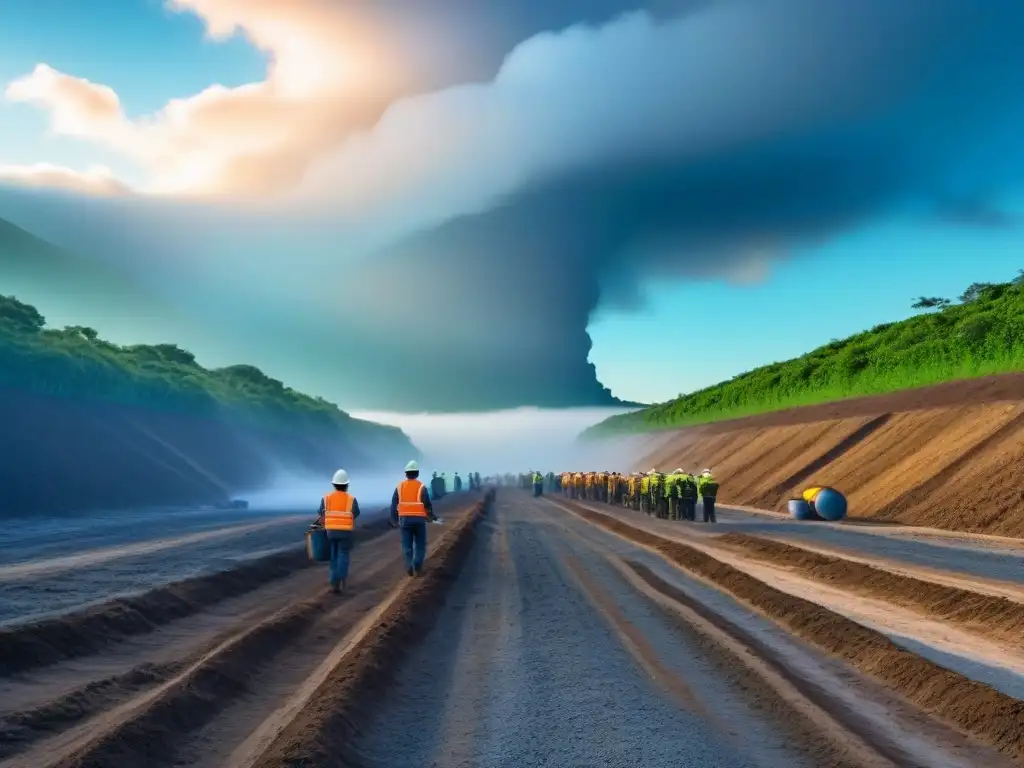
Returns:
(97,179)
(77,106)
(323,79)
(560,100)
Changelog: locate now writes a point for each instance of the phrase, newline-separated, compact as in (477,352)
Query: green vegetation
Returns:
(983,334)
(74,362)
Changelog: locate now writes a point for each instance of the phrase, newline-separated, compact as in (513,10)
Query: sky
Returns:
(451,206)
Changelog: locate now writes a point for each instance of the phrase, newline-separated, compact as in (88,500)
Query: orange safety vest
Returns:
(409,504)
(338,511)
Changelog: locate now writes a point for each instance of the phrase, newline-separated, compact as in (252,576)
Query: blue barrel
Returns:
(830,504)
(317,547)
(800,509)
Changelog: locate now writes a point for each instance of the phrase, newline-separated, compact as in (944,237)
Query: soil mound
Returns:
(81,633)
(975,709)
(322,732)
(943,456)
(983,613)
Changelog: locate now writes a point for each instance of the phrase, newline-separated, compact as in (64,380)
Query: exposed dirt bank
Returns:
(985,614)
(944,456)
(976,709)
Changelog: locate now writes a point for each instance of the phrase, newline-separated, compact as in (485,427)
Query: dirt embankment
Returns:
(85,632)
(986,614)
(977,710)
(944,456)
(66,455)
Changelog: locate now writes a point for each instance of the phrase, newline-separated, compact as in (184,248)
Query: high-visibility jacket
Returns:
(707,487)
(338,511)
(409,504)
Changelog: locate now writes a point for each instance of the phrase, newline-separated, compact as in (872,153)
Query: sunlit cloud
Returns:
(323,79)
(97,179)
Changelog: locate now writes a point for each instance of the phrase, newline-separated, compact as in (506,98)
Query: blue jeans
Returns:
(341,548)
(414,543)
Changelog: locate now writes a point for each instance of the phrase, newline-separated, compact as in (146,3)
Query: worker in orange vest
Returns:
(338,512)
(410,510)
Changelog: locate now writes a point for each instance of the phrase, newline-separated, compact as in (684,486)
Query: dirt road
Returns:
(187,675)
(542,634)
(562,644)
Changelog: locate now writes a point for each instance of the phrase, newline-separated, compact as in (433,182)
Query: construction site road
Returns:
(563,644)
(189,674)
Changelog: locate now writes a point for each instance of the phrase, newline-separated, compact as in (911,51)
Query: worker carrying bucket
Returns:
(338,512)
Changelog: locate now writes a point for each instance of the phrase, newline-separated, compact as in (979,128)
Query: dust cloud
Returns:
(293,490)
(514,440)
(490,443)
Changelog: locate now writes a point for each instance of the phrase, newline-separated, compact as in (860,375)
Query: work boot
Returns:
(409,571)
(334,587)
(419,571)
(342,590)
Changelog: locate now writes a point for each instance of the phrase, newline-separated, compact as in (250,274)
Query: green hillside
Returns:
(982,334)
(74,362)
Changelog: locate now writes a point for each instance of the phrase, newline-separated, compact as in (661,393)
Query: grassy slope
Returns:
(74,362)
(975,338)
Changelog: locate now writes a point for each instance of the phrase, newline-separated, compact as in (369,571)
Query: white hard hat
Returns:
(653,472)
(412,466)
(678,471)
(340,478)
(706,472)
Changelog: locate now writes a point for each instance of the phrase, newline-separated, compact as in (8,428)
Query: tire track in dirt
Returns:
(48,566)
(322,732)
(485,637)
(634,641)
(760,676)
(186,694)
(81,633)
(987,715)
(977,612)
(561,688)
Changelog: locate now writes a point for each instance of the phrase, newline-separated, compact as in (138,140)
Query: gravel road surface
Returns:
(548,653)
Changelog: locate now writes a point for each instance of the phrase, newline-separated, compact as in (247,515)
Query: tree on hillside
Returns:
(20,317)
(974,291)
(930,302)
(91,334)
(1019,279)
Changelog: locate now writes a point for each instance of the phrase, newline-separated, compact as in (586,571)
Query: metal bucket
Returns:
(318,549)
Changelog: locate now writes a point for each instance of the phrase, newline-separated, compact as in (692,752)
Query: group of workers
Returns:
(666,495)
(439,484)
(411,510)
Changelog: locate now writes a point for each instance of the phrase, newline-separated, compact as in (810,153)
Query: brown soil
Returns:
(986,614)
(34,645)
(234,686)
(944,456)
(977,710)
(324,729)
